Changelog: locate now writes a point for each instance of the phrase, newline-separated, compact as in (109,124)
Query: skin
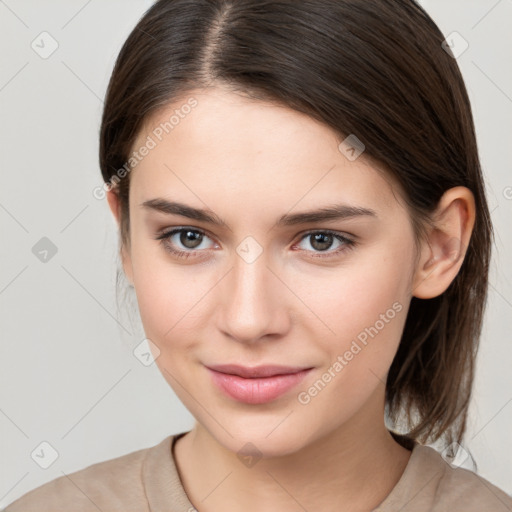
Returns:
(251,162)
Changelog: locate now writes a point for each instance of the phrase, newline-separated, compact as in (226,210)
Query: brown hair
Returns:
(373,69)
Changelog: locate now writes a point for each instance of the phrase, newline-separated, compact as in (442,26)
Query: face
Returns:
(263,285)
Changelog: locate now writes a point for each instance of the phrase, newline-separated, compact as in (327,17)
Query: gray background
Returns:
(68,375)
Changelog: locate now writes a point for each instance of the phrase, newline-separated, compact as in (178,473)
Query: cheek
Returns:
(366,308)
(166,292)
(363,304)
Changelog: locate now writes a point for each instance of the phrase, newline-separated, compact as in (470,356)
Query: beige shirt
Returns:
(147,480)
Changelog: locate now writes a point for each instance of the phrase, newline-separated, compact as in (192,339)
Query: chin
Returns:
(261,439)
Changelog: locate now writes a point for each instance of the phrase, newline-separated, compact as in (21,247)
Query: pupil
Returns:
(188,237)
(324,239)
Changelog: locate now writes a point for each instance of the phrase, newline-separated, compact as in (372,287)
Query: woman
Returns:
(302,216)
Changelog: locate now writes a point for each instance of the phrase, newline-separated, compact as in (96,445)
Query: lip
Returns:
(256,385)
(268,370)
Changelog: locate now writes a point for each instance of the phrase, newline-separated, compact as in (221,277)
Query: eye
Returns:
(190,239)
(321,241)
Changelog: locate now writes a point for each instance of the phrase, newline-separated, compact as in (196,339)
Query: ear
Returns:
(115,207)
(444,250)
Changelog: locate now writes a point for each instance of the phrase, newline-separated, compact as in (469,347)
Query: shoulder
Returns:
(113,485)
(430,484)
(463,489)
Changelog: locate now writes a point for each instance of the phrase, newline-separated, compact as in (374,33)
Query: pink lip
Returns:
(247,372)
(268,382)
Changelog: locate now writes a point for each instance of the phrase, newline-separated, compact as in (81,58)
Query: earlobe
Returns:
(126,261)
(115,208)
(443,252)
(113,203)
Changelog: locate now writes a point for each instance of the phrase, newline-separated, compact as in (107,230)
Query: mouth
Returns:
(257,372)
(257,385)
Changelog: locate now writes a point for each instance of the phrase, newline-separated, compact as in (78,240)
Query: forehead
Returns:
(221,146)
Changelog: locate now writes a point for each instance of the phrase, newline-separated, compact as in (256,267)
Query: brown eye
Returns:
(190,239)
(322,241)
(184,242)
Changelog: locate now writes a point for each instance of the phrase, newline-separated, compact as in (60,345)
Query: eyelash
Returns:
(348,243)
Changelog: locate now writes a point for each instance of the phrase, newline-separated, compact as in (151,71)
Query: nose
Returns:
(254,302)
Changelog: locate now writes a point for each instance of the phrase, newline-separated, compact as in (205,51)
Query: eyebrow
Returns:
(339,211)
